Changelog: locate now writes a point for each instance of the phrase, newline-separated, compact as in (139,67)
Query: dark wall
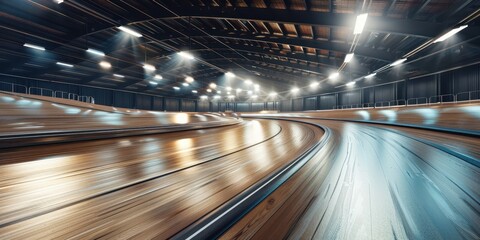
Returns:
(434,88)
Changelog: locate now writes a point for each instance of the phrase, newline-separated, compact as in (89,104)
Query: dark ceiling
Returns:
(278,44)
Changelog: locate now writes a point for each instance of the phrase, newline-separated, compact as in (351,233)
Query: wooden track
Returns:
(143,187)
(368,182)
(375,182)
(28,115)
(463,116)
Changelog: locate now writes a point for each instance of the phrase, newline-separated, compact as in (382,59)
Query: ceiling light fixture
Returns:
(158,77)
(186,55)
(219,92)
(248,82)
(104,64)
(254,96)
(153,83)
(216,97)
(34,46)
(96,52)
(360,23)
(149,67)
(450,33)
(213,85)
(204,97)
(239,90)
(398,62)
(228,88)
(351,83)
(194,91)
(189,79)
(185,84)
(314,84)
(348,57)
(250,92)
(295,90)
(272,94)
(209,90)
(130,31)
(64,64)
(334,75)
(118,75)
(370,75)
(58,1)
(230,74)
(176,88)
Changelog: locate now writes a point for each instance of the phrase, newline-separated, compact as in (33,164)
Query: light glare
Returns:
(450,33)
(348,57)
(186,55)
(130,31)
(334,75)
(96,52)
(314,84)
(149,67)
(104,64)
(189,79)
(34,46)
(399,61)
(64,64)
(370,75)
(351,83)
(360,23)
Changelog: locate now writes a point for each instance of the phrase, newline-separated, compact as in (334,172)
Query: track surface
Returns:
(144,187)
(375,182)
(368,182)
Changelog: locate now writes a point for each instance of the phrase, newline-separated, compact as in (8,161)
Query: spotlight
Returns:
(130,31)
(149,67)
(186,55)
(64,64)
(348,57)
(360,23)
(104,64)
(189,79)
(96,52)
(371,75)
(450,33)
(213,85)
(398,62)
(34,46)
(334,75)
